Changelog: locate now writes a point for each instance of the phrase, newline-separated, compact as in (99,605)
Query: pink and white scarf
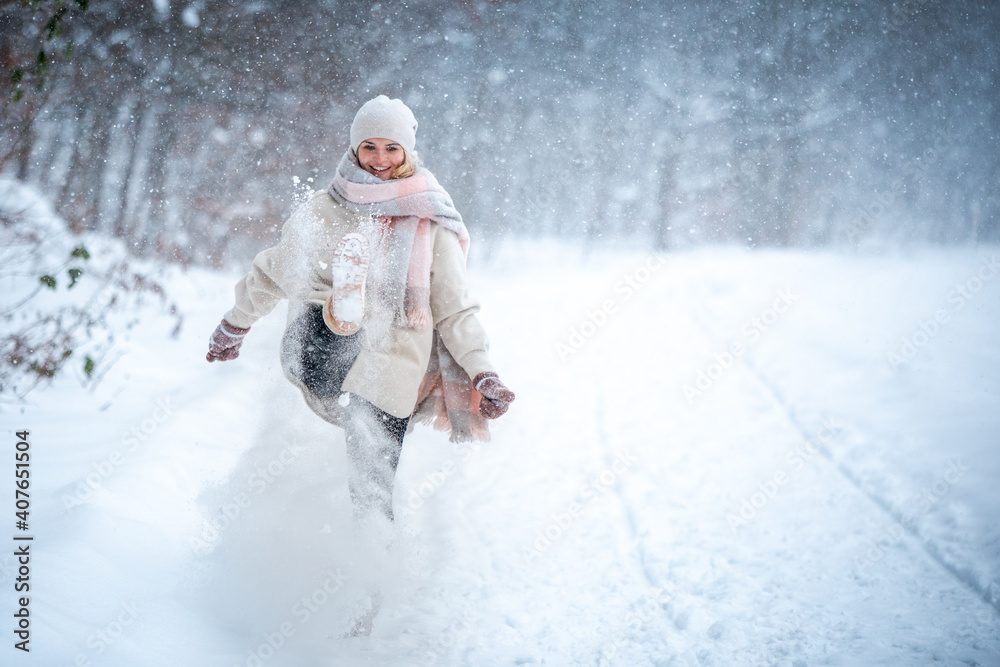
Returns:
(404,209)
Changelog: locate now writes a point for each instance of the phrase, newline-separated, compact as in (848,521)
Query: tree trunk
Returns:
(132,136)
(156,183)
(96,167)
(68,203)
(665,202)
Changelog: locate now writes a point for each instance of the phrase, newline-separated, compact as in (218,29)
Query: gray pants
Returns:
(374,441)
(317,360)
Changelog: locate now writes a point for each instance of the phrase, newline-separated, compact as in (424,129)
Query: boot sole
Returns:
(344,310)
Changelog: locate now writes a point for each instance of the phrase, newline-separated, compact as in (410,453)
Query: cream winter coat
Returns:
(389,368)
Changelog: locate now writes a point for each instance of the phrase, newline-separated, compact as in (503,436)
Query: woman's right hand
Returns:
(224,345)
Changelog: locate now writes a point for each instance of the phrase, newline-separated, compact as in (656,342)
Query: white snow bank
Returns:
(712,460)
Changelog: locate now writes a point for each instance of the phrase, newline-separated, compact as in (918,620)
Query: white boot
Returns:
(344,310)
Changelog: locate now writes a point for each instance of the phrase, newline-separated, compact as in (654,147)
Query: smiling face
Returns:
(380,156)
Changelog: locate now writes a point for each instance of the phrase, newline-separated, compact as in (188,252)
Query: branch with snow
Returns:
(64,295)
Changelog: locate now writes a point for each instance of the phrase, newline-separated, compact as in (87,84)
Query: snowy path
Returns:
(803,502)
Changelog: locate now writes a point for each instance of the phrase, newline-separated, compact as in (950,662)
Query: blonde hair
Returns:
(406,168)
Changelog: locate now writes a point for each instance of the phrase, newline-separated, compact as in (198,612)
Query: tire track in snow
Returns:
(963,574)
(677,639)
(607,451)
(630,542)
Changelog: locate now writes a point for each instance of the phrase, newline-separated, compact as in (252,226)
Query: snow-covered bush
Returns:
(57,292)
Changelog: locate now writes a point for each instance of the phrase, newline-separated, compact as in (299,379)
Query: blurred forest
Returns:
(181,127)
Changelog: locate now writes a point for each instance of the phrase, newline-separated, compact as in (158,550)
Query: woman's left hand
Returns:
(496,397)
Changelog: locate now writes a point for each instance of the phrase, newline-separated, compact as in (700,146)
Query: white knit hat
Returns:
(386,119)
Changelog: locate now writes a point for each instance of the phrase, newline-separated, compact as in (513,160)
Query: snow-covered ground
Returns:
(716,457)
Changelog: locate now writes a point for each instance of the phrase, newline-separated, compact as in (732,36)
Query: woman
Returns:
(381,330)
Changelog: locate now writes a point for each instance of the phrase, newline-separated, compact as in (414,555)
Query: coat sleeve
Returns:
(287,269)
(453,309)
